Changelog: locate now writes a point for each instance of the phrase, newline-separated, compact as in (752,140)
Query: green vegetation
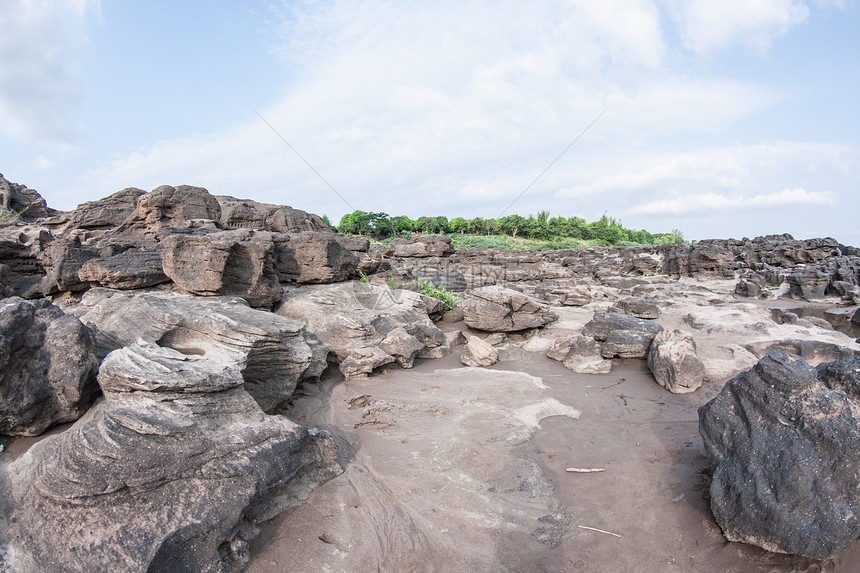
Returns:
(9,215)
(439,292)
(362,276)
(392,284)
(539,232)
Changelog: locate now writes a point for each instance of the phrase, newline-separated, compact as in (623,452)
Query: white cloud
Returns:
(41,46)
(709,202)
(710,26)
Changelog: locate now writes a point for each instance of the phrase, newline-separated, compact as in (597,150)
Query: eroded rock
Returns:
(48,367)
(783,438)
(172,471)
(673,360)
(499,309)
(478,352)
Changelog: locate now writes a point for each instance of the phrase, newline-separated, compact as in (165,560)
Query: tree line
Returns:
(607,230)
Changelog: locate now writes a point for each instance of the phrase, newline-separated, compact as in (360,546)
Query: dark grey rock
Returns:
(25,202)
(603,323)
(638,307)
(130,269)
(783,439)
(623,343)
(813,352)
(48,367)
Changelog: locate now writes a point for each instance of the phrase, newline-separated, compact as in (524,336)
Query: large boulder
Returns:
(313,258)
(674,362)
(622,343)
(172,471)
(232,263)
(107,213)
(21,248)
(272,353)
(366,326)
(783,439)
(638,307)
(48,367)
(499,309)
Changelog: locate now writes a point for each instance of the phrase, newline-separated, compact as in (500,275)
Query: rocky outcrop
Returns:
(623,343)
(500,309)
(813,352)
(21,248)
(248,214)
(638,307)
(604,323)
(172,471)
(130,269)
(428,246)
(25,203)
(48,367)
(783,438)
(165,208)
(673,361)
(272,353)
(366,326)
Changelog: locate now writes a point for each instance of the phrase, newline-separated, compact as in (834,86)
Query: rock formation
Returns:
(783,438)
(673,360)
(48,367)
(500,309)
(366,326)
(171,471)
(271,352)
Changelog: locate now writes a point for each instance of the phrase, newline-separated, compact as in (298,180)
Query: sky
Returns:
(718,118)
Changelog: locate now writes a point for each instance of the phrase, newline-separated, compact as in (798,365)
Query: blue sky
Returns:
(722,118)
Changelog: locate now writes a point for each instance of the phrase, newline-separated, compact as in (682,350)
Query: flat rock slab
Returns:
(500,309)
(604,323)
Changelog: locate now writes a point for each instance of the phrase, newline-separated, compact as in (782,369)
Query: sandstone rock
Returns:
(638,307)
(478,352)
(107,213)
(248,214)
(21,248)
(131,269)
(27,203)
(624,343)
(808,283)
(500,309)
(674,362)
(63,260)
(448,279)
(747,288)
(272,353)
(47,367)
(783,438)
(353,243)
(427,246)
(364,325)
(603,323)
(234,263)
(172,471)
(167,207)
(580,354)
(313,258)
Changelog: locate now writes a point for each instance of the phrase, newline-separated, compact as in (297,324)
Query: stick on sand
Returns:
(585,470)
(598,530)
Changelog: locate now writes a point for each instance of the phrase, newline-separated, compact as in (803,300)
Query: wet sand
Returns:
(447,470)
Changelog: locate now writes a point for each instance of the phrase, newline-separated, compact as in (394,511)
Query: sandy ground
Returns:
(464,469)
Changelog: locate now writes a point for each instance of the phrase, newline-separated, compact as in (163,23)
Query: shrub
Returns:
(438,292)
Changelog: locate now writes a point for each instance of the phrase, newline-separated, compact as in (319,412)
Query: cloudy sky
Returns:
(721,118)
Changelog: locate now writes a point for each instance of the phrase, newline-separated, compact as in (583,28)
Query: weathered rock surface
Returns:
(168,207)
(172,471)
(21,248)
(674,362)
(783,439)
(232,263)
(313,258)
(48,367)
(622,343)
(638,307)
(130,269)
(365,326)
(604,323)
(478,352)
(500,309)
(248,214)
(813,352)
(580,353)
(429,246)
(20,199)
(272,353)
(102,215)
